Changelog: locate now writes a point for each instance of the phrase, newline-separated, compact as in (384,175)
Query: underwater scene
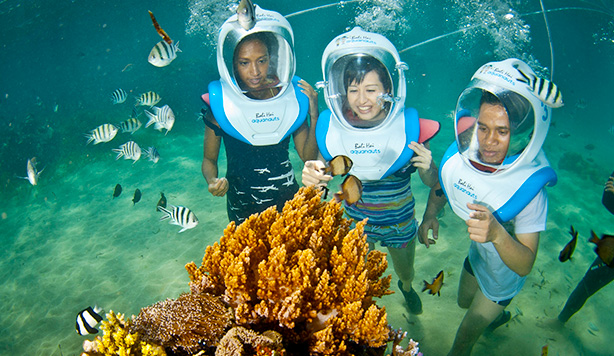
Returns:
(81,180)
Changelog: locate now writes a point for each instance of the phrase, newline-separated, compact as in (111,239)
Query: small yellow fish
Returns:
(545,350)
(434,287)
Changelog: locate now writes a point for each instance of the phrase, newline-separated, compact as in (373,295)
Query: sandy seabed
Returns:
(68,245)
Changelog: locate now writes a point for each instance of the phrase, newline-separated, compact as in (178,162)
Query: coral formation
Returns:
(118,340)
(299,282)
(189,323)
(240,341)
(289,269)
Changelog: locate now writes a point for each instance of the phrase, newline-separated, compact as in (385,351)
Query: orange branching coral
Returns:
(188,324)
(288,269)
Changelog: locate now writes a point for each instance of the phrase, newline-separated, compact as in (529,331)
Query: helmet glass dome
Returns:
(364,79)
(361,88)
(493,125)
(258,63)
(261,61)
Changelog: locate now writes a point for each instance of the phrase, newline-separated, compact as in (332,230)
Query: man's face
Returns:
(493,133)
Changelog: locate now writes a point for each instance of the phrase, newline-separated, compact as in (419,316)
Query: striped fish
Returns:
(130,125)
(163,117)
(118,96)
(87,319)
(148,99)
(103,133)
(152,154)
(129,150)
(544,89)
(162,54)
(179,215)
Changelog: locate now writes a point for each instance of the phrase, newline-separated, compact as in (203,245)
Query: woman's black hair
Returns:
(358,67)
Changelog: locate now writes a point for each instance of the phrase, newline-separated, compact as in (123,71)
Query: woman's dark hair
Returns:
(358,67)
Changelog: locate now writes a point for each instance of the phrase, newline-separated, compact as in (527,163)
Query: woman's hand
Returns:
(219,187)
(313,174)
(422,158)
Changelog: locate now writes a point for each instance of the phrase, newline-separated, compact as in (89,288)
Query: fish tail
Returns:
(426,285)
(526,78)
(594,238)
(159,29)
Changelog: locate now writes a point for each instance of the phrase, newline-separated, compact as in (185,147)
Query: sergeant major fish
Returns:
(152,154)
(32,173)
(179,215)
(545,90)
(103,133)
(163,117)
(129,150)
(118,96)
(246,14)
(131,125)
(605,248)
(87,319)
(165,51)
(148,99)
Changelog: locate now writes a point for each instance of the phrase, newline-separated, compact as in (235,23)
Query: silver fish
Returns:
(87,319)
(163,117)
(103,133)
(129,150)
(162,54)
(246,14)
(118,96)
(180,215)
(545,90)
(152,154)
(148,99)
(32,172)
(130,125)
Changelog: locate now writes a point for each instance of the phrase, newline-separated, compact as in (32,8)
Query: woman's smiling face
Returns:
(363,97)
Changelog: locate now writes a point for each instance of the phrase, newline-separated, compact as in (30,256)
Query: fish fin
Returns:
(526,79)
(182,230)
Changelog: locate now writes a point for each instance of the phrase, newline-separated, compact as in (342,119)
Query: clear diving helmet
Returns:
(497,86)
(356,64)
(273,33)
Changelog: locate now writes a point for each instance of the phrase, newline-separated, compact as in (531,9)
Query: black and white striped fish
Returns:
(87,319)
(162,54)
(130,125)
(163,117)
(118,96)
(103,133)
(152,154)
(544,89)
(180,215)
(129,150)
(148,99)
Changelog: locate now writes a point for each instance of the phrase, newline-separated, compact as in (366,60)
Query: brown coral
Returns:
(189,323)
(240,341)
(287,268)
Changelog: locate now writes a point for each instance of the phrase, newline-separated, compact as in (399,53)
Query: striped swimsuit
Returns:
(389,205)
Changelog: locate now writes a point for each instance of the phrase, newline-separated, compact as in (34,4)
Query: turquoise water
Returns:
(67,244)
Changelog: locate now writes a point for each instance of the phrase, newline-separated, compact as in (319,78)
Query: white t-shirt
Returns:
(497,281)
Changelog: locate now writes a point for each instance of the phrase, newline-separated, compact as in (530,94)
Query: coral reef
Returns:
(118,340)
(303,271)
(189,323)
